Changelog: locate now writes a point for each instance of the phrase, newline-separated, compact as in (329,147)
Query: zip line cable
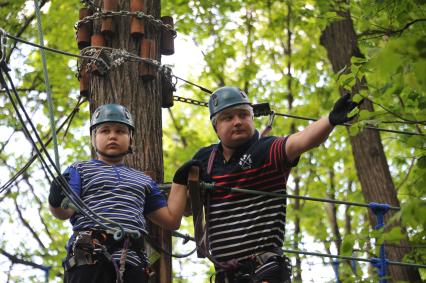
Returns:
(69,118)
(47,83)
(61,178)
(212,187)
(4,33)
(205,104)
(181,99)
(371,260)
(348,124)
(119,232)
(194,84)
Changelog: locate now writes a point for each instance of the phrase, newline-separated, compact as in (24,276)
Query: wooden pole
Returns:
(123,85)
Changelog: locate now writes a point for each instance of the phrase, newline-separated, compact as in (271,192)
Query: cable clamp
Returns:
(271,119)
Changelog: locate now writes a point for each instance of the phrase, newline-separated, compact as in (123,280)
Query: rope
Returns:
(212,186)
(406,264)
(348,125)
(159,248)
(47,48)
(34,157)
(372,260)
(205,104)
(371,205)
(186,100)
(119,232)
(48,89)
(194,84)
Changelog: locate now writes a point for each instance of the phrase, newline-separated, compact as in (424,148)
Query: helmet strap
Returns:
(113,156)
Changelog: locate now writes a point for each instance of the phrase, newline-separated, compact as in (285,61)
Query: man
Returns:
(246,231)
(119,193)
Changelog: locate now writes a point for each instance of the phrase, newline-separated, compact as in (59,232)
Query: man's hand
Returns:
(56,194)
(341,109)
(181,175)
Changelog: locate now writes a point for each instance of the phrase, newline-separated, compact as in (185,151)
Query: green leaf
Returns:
(347,245)
(421,162)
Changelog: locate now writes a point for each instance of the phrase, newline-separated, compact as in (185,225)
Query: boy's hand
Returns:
(56,195)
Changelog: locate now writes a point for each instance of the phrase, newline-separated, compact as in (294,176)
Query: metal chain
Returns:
(190,101)
(105,58)
(139,15)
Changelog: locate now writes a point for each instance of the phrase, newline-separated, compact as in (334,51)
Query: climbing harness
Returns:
(92,246)
(258,268)
(271,266)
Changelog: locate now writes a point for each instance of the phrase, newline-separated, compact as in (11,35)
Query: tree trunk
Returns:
(123,85)
(340,41)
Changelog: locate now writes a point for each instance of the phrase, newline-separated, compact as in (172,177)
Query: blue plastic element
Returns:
(380,209)
(335,264)
(354,267)
(381,266)
(46,273)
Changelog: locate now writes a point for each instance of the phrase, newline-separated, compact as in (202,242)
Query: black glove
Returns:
(181,175)
(341,109)
(56,195)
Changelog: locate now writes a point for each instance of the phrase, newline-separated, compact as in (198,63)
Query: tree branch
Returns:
(22,30)
(17,260)
(28,226)
(388,32)
(413,160)
(40,205)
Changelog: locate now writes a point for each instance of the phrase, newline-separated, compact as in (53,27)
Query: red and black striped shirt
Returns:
(241,224)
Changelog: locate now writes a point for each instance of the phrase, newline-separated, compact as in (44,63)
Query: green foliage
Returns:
(245,43)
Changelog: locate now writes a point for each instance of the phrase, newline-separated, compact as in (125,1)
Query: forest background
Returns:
(277,52)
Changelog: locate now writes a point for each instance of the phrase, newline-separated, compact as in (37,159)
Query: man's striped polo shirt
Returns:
(241,224)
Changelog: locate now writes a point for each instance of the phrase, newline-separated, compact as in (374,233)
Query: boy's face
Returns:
(112,138)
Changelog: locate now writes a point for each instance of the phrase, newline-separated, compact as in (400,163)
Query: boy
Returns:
(119,193)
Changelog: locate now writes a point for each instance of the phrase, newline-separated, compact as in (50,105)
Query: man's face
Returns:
(234,127)
(112,138)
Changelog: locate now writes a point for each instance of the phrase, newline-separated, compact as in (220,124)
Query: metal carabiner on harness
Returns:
(268,127)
